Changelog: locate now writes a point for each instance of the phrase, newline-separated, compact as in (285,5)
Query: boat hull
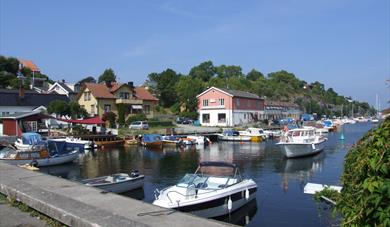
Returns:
(234,138)
(120,187)
(45,161)
(293,150)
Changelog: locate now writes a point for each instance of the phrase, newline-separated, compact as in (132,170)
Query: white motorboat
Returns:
(231,135)
(117,183)
(200,140)
(256,134)
(215,189)
(29,141)
(83,145)
(301,142)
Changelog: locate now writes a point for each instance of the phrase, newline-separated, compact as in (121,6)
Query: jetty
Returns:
(75,204)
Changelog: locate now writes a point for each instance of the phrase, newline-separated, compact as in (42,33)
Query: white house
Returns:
(63,88)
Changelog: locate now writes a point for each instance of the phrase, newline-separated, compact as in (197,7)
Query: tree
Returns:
(254,75)
(187,89)
(163,84)
(10,65)
(58,107)
(224,71)
(204,71)
(76,111)
(88,79)
(110,117)
(108,75)
(121,114)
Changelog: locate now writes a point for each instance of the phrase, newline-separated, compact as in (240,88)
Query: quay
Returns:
(74,204)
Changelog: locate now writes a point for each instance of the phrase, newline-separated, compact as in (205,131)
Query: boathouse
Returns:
(17,123)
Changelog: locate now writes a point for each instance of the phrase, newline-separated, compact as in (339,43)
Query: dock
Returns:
(75,204)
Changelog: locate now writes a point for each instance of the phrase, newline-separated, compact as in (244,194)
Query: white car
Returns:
(139,125)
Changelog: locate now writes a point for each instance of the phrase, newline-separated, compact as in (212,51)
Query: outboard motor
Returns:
(134,173)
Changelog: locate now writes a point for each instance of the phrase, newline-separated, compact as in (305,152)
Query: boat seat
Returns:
(201,185)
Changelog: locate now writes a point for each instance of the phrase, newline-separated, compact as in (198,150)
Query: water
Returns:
(280,200)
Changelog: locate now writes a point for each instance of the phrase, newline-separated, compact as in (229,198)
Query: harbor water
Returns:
(280,200)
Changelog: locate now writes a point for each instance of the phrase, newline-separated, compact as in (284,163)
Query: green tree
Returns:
(121,115)
(187,88)
(254,75)
(110,117)
(224,71)
(58,107)
(76,111)
(10,65)
(163,84)
(88,79)
(108,75)
(204,71)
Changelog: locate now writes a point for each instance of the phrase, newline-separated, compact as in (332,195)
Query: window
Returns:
(124,95)
(30,126)
(87,96)
(237,102)
(206,118)
(205,102)
(4,113)
(147,109)
(221,102)
(221,118)
(92,109)
(107,108)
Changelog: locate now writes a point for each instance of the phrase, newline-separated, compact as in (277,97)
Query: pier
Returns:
(75,204)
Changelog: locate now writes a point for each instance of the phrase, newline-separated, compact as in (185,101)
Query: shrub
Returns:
(137,117)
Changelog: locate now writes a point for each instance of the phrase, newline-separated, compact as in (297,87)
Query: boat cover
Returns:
(31,138)
(149,138)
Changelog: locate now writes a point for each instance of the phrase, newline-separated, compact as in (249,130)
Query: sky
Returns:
(344,44)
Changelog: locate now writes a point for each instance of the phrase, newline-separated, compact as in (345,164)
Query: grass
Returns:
(33,213)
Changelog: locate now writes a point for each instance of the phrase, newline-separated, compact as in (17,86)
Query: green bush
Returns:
(365,198)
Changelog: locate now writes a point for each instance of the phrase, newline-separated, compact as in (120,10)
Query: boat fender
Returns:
(230,204)
(34,163)
(246,194)
(313,146)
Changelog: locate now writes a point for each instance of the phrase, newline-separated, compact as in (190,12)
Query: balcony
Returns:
(129,101)
(213,107)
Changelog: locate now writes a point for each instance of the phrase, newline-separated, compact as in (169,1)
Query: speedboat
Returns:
(215,189)
(200,140)
(82,145)
(232,135)
(301,142)
(117,183)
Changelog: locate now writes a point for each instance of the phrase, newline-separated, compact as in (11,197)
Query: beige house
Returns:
(98,99)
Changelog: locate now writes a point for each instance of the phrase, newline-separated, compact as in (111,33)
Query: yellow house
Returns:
(98,99)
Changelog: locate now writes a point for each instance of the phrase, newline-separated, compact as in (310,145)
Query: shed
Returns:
(17,123)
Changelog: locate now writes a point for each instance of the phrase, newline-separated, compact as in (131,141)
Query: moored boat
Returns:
(117,183)
(301,142)
(215,189)
(152,140)
(256,134)
(231,135)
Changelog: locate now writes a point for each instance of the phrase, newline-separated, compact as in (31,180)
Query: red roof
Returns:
(99,91)
(29,64)
(144,94)
(90,121)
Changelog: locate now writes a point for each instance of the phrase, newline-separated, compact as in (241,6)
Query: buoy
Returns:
(230,204)
(246,194)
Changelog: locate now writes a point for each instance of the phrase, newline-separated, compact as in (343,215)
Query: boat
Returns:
(131,140)
(170,140)
(301,142)
(29,141)
(117,183)
(215,189)
(50,154)
(152,140)
(200,140)
(256,134)
(232,135)
(82,145)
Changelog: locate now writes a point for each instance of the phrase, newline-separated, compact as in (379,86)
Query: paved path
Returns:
(13,217)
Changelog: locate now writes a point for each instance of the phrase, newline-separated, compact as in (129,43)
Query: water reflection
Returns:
(299,169)
(242,216)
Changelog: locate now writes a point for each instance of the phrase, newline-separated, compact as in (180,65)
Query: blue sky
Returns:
(341,43)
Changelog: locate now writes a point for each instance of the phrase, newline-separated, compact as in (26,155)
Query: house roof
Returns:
(144,94)
(29,64)
(19,115)
(31,98)
(233,93)
(99,91)
(63,85)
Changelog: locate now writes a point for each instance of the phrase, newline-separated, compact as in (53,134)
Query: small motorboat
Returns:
(215,189)
(117,183)
(82,145)
(301,142)
(232,135)
(152,140)
(51,154)
(200,140)
(256,134)
(131,140)
(29,141)
(170,140)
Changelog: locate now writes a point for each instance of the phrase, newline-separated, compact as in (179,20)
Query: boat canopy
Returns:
(152,137)
(218,164)
(31,138)
(90,121)
(230,132)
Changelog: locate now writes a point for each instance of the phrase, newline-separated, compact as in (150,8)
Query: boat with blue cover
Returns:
(152,140)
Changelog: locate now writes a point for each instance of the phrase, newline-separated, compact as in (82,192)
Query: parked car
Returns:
(139,125)
(183,120)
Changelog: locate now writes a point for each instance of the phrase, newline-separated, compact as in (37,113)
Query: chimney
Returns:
(21,87)
(130,83)
(63,81)
(108,84)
